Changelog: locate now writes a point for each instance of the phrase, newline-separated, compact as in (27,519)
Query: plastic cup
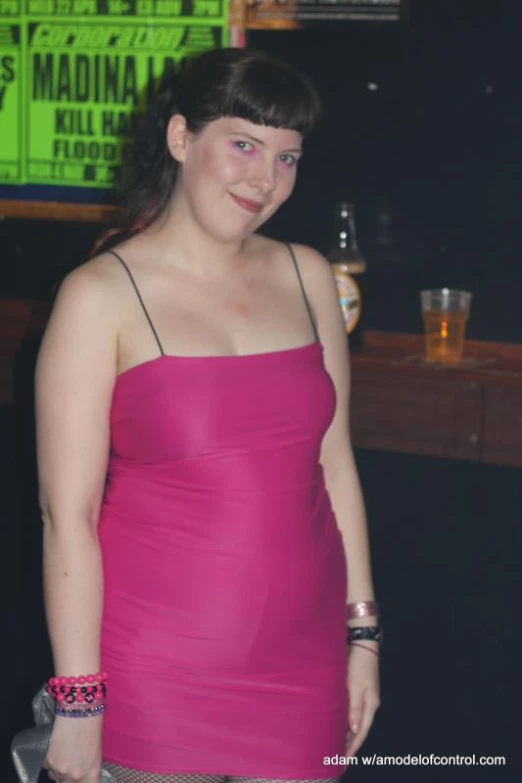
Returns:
(445,312)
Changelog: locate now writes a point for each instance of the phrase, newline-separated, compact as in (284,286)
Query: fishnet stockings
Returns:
(235,779)
(124,775)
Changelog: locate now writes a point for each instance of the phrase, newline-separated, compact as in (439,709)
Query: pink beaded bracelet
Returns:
(80,680)
(78,693)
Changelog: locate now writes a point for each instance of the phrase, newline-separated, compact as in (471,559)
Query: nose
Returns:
(263,176)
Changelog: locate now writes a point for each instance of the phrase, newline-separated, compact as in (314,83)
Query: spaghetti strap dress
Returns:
(224,620)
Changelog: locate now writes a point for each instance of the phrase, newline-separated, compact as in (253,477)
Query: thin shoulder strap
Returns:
(307,303)
(113,252)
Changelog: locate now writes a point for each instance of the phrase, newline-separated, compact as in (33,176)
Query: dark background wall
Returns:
(432,160)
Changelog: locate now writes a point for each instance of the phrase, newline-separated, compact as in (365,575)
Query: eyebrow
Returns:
(260,141)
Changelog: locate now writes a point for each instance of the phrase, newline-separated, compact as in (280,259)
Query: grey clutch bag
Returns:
(29,747)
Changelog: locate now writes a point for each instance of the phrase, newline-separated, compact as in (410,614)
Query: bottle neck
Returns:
(345,249)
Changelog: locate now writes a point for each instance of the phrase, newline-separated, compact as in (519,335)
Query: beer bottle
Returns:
(349,269)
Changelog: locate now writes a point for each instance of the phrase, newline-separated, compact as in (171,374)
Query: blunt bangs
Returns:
(251,85)
(268,95)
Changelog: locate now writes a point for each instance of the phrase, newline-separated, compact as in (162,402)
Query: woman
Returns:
(192,399)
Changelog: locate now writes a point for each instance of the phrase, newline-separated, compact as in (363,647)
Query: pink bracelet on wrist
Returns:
(362,609)
(78,693)
(79,697)
(87,679)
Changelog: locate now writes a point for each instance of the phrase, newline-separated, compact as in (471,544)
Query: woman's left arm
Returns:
(342,482)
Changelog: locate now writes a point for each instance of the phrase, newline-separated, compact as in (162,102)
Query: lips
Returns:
(246,203)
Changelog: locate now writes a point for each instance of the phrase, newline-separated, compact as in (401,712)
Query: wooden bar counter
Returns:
(470,412)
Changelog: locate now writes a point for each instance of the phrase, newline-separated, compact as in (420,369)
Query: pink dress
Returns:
(225,577)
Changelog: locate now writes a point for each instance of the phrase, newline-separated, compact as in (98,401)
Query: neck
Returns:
(180,241)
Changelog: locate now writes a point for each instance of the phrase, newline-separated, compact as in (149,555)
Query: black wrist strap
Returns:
(370,633)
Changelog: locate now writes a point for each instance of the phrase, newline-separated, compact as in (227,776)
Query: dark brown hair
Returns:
(241,83)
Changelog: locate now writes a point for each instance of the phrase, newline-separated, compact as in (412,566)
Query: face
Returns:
(234,174)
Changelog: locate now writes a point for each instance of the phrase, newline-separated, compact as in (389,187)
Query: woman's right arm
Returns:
(75,374)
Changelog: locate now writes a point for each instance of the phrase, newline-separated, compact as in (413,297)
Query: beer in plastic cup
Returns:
(445,312)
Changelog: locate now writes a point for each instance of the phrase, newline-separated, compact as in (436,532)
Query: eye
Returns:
(288,160)
(244,146)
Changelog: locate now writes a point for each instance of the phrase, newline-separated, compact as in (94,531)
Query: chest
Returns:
(238,317)
(181,407)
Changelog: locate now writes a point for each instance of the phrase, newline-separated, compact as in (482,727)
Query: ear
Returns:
(177,137)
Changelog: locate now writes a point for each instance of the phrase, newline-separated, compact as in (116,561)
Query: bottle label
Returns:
(349,298)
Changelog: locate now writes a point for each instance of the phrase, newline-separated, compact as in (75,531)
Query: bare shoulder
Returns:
(90,289)
(317,276)
(97,277)
(84,322)
(311,261)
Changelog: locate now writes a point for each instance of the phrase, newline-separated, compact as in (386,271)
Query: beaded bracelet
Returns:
(81,680)
(89,712)
(71,694)
(79,697)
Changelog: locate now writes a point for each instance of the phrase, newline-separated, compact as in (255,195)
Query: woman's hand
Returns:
(74,754)
(363,690)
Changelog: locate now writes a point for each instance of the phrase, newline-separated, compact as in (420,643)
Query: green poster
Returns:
(10,104)
(76,74)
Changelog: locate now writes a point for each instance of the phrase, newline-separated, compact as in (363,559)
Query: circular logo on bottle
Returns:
(350,299)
